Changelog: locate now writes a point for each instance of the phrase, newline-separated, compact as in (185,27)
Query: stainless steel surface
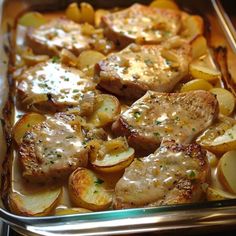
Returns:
(197,217)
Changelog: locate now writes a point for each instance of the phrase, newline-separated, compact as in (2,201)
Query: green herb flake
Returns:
(55,59)
(98,181)
(137,114)
(193,129)
(231,135)
(75,91)
(95,191)
(148,62)
(156,134)
(158,122)
(192,174)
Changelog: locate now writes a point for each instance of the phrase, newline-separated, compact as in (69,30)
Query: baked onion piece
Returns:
(37,204)
(88,191)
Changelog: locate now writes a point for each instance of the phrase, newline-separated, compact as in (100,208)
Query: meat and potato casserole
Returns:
(118,108)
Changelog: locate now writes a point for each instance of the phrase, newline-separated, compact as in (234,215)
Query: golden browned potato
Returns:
(73,12)
(32,60)
(221,137)
(227,173)
(107,107)
(112,156)
(24,124)
(214,194)
(70,211)
(196,84)
(87,12)
(98,16)
(166,4)
(68,58)
(193,26)
(37,204)
(226,100)
(88,191)
(199,47)
(32,19)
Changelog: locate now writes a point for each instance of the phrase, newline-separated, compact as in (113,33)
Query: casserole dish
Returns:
(202,216)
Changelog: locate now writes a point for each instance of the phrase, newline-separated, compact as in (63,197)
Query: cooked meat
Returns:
(177,116)
(136,69)
(143,24)
(53,86)
(174,174)
(55,148)
(57,34)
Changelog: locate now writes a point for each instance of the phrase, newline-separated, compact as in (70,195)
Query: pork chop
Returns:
(53,86)
(57,34)
(136,69)
(177,116)
(174,174)
(54,148)
(140,23)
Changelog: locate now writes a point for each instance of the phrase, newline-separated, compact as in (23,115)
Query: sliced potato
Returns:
(98,16)
(68,58)
(212,159)
(114,162)
(31,60)
(87,12)
(70,211)
(193,27)
(33,19)
(214,194)
(196,84)
(89,58)
(226,100)
(199,47)
(221,137)
(227,173)
(25,124)
(73,12)
(107,107)
(38,204)
(201,71)
(166,4)
(86,190)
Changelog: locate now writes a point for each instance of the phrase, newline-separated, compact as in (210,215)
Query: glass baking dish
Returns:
(200,217)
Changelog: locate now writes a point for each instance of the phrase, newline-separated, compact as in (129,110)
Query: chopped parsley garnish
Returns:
(75,91)
(95,191)
(98,181)
(55,59)
(158,122)
(193,129)
(231,135)
(156,134)
(137,114)
(177,118)
(192,174)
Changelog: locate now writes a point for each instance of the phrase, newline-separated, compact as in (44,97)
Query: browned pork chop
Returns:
(56,147)
(177,116)
(174,174)
(136,69)
(54,86)
(57,34)
(140,23)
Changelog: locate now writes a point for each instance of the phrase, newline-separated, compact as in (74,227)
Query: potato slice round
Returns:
(199,47)
(166,4)
(32,60)
(226,100)
(107,107)
(33,19)
(214,194)
(37,204)
(199,71)
(196,84)
(73,12)
(25,123)
(220,137)
(113,162)
(227,173)
(89,58)
(86,190)
(70,211)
